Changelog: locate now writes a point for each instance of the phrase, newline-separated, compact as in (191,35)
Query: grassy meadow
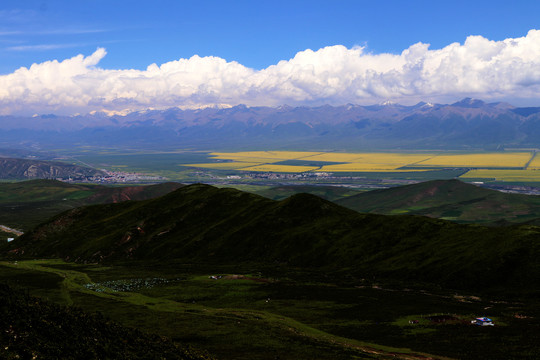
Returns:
(270,313)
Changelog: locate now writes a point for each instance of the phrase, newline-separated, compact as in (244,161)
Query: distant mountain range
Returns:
(466,124)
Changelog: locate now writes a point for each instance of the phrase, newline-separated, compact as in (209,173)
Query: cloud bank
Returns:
(492,70)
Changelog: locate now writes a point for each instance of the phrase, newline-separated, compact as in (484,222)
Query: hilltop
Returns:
(204,224)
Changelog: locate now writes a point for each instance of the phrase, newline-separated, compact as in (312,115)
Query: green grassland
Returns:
(4,235)
(174,165)
(36,329)
(285,314)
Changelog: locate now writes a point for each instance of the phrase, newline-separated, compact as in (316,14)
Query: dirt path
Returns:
(10,230)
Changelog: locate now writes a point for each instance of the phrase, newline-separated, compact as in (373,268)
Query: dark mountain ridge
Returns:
(202,224)
(468,123)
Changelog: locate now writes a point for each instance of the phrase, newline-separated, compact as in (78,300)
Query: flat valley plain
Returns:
(511,166)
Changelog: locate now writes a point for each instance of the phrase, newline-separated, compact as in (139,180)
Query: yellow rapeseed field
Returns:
(504,175)
(388,159)
(367,162)
(364,167)
(233,165)
(258,160)
(268,155)
(535,163)
(486,160)
(280,168)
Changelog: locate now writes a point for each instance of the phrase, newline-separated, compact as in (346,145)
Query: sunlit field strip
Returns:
(394,159)
(361,167)
(504,175)
(491,160)
(336,157)
(384,159)
(224,165)
(280,168)
(358,167)
(257,160)
(279,155)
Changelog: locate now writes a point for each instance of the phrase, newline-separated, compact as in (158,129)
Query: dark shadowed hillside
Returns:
(26,204)
(331,193)
(200,223)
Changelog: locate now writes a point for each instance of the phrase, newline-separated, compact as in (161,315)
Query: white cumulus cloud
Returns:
(492,70)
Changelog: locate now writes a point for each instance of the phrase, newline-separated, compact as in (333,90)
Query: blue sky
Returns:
(256,34)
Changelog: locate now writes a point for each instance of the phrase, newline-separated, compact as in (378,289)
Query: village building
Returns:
(483,321)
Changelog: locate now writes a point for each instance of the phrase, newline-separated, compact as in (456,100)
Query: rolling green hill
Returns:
(204,224)
(26,204)
(448,199)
